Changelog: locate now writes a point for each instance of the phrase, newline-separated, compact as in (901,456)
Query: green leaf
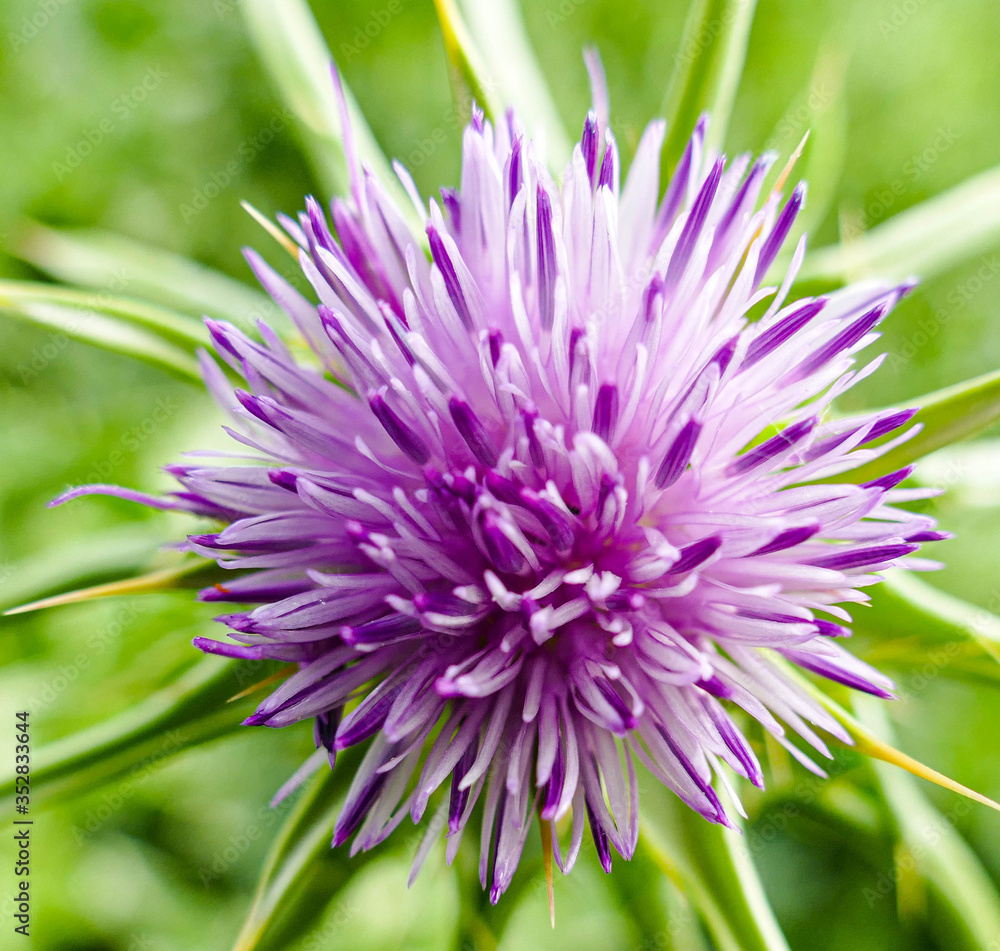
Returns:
(947,416)
(826,98)
(924,240)
(91,559)
(821,110)
(656,906)
(113,262)
(296,56)
(155,335)
(869,744)
(187,572)
(470,77)
(190,711)
(498,28)
(966,905)
(301,853)
(713,868)
(908,608)
(179,329)
(706,76)
(968,470)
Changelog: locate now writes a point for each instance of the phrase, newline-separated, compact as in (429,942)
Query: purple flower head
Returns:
(543,500)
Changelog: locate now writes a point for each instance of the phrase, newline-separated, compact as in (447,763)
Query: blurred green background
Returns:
(115,114)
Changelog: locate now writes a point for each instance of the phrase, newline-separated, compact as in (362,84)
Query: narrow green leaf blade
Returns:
(471,75)
(90,559)
(178,329)
(713,867)
(185,713)
(112,262)
(301,851)
(968,470)
(821,110)
(498,28)
(924,240)
(707,70)
(959,885)
(947,416)
(656,906)
(296,57)
(914,607)
(187,572)
(77,315)
(869,744)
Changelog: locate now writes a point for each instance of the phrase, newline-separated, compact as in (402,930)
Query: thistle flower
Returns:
(547,500)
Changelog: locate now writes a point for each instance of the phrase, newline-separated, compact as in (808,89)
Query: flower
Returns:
(545,497)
